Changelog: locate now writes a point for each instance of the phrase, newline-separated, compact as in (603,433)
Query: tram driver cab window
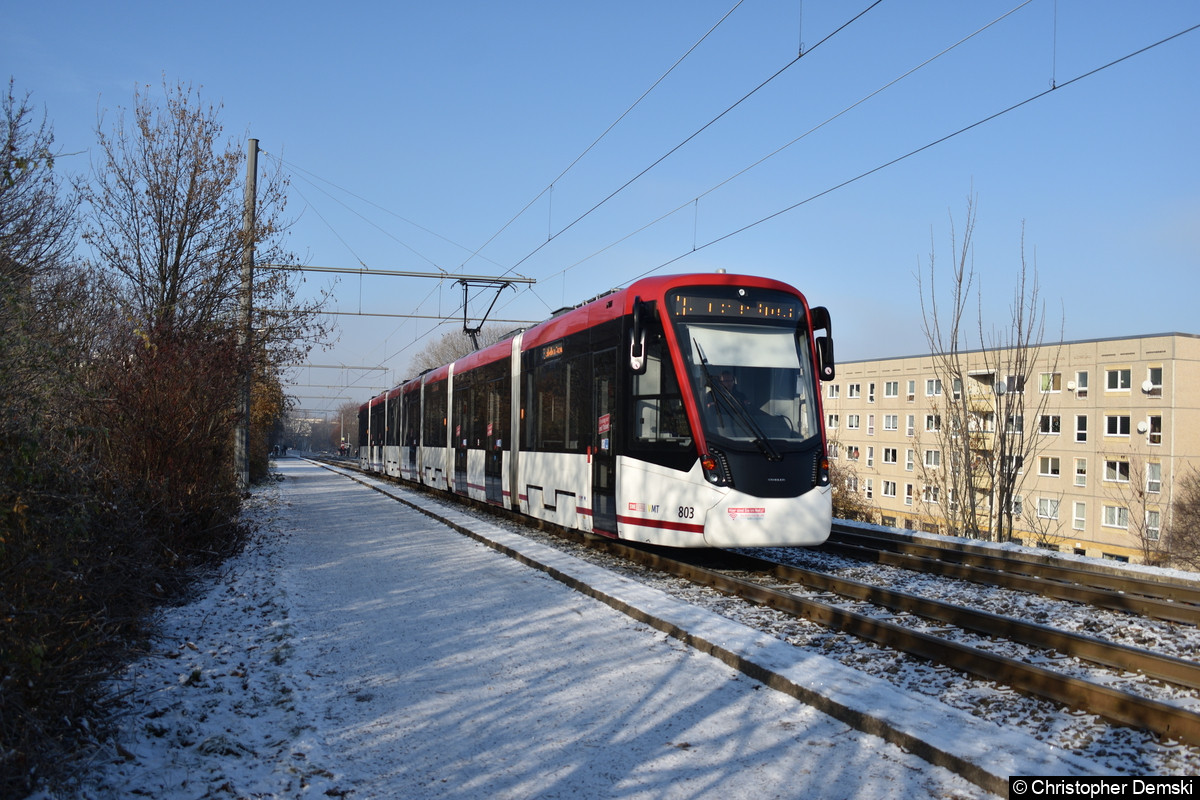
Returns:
(659,417)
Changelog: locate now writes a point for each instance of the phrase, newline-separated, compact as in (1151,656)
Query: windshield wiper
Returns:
(723,393)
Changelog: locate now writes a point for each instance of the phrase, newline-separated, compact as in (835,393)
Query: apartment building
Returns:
(1105,427)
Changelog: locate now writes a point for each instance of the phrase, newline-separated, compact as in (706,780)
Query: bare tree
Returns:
(36,219)
(454,345)
(165,222)
(1183,527)
(848,500)
(985,409)
(1043,519)
(1129,485)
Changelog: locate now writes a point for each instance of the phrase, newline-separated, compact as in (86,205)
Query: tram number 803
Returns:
(687,512)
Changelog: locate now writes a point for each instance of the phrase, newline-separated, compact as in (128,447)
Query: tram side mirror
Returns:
(825,361)
(637,338)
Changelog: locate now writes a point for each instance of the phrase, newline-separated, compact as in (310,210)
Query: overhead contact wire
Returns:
(925,147)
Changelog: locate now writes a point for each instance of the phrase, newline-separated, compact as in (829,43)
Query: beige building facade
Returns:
(1106,427)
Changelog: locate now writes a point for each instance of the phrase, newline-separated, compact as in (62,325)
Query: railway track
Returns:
(1114,705)
(1165,599)
(809,595)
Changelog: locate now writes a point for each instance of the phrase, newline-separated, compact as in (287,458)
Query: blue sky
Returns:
(415,132)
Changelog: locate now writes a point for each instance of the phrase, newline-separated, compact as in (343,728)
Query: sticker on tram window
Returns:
(604,423)
(746,513)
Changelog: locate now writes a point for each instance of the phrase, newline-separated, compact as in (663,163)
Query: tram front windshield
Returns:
(749,364)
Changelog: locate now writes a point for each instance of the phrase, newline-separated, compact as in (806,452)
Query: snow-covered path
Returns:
(361,649)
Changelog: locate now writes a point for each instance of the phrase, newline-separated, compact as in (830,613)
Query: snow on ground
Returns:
(360,649)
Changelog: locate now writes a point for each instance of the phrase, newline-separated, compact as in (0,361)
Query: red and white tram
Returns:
(682,410)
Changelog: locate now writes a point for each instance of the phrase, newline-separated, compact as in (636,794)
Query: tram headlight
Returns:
(716,468)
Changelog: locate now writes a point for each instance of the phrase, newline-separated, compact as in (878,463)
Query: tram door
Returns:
(604,472)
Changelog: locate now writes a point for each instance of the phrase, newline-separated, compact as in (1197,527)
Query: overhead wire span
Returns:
(923,148)
(606,131)
(700,130)
(695,200)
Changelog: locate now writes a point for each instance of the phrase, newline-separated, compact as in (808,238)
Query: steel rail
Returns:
(1177,671)
(1114,705)
(1111,704)
(1102,598)
(1178,591)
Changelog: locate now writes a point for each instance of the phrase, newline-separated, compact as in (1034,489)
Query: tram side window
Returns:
(483,413)
(378,424)
(393,426)
(659,419)
(492,403)
(464,429)
(433,433)
(412,411)
(557,406)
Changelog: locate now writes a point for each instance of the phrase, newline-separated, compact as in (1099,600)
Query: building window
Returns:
(1116,470)
(1081,427)
(870,456)
(1016,464)
(933,387)
(1116,425)
(1014,383)
(1081,384)
(1119,380)
(1081,472)
(1116,517)
(853,390)
(911,425)
(1080,519)
(1016,424)
(891,455)
(1154,378)
(933,458)
(891,422)
(908,494)
(852,422)
(831,421)
(1153,477)
(852,452)
(1047,508)
(891,389)
(889,488)
(870,488)
(930,494)
(870,392)
(835,390)
(870,424)
(1051,382)
(912,390)
(833,450)
(1017,505)
(1048,466)
(1153,525)
(1050,424)
(933,422)
(1156,431)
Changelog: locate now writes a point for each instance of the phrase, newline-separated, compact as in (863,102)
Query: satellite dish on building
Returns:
(1147,386)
